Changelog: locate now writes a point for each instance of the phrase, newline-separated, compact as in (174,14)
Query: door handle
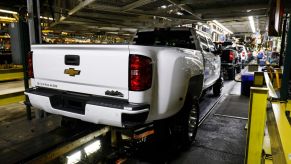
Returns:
(72,59)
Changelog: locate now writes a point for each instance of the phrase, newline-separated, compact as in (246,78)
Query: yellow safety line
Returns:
(13,99)
(11,76)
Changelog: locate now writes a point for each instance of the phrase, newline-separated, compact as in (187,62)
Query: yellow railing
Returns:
(278,126)
(11,72)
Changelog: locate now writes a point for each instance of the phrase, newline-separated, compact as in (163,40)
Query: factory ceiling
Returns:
(127,15)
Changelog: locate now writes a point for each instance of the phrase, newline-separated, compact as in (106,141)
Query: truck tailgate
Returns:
(101,68)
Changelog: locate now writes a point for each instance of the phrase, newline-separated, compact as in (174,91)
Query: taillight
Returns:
(231,56)
(30,65)
(140,73)
(243,54)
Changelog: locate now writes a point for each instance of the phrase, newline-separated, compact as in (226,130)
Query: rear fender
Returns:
(195,86)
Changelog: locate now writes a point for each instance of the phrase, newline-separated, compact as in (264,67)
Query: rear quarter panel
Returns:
(173,68)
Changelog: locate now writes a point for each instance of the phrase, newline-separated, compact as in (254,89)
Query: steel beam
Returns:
(112,9)
(233,15)
(185,8)
(136,4)
(77,8)
(33,10)
(242,8)
(80,6)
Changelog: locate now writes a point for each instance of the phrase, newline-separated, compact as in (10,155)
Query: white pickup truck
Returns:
(159,77)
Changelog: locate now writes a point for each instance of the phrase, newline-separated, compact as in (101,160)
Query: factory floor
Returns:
(220,139)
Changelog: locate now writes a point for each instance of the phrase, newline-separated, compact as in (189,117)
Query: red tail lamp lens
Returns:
(140,73)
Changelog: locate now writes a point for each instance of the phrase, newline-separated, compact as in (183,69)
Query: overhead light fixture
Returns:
(74,158)
(252,24)
(7,11)
(164,6)
(93,147)
(224,28)
(179,13)
(46,18)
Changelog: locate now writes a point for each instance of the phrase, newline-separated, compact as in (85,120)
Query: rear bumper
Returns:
(99,110)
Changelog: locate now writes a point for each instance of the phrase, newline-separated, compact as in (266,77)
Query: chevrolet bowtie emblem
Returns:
(72,72)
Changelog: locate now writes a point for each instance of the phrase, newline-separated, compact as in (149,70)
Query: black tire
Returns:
(182,127)
(185,124)
(231,73)
(217,87)
(238,69)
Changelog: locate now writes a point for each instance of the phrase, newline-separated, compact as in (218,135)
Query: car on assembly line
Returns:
(157,79)
(230,63)
(243,54)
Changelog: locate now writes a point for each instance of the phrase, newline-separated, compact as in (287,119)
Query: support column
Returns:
(284,92)
(34,21)
(33,10)
(283,40)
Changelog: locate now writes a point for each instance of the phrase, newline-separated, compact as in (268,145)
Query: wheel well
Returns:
(195,86)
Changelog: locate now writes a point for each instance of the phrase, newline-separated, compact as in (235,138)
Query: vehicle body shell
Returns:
(100,92)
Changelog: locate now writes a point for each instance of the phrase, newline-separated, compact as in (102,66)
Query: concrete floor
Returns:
(219,140)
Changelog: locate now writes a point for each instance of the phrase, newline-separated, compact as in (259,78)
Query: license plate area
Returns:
(74,103)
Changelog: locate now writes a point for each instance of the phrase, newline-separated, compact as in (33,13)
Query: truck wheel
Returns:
(238,69)
(217,87)
(178,131)
(231,73)
(184,125)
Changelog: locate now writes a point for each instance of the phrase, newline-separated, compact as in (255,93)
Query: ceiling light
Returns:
(179,13)
(252,24)
(164,6)
(74,158)
(47,18)
(93,147)
(224,28)
(7,11)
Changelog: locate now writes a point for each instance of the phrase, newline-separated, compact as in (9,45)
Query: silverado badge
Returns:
(72,72)
(114,93)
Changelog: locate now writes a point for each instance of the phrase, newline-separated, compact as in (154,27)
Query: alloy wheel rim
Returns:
(192,122)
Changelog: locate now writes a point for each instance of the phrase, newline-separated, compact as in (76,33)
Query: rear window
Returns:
(165,38)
